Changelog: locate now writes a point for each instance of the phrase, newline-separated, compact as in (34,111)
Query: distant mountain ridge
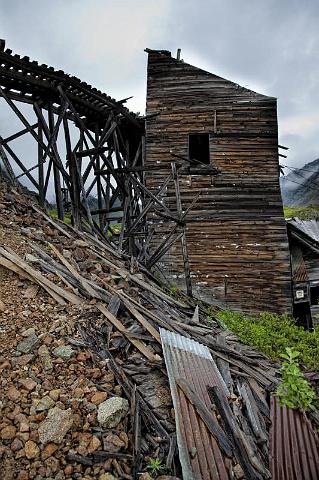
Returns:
(301,186)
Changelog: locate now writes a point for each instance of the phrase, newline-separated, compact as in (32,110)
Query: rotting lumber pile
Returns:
(130,309)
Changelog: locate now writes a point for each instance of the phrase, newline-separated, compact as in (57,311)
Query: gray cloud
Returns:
(267,45)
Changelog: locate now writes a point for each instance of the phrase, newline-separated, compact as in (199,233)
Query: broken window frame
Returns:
(199,162)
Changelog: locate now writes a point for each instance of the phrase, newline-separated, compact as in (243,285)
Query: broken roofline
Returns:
(168,54)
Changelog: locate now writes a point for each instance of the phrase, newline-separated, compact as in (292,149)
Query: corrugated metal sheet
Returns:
(200,456)
(309,227)
(298,267)
(294,446)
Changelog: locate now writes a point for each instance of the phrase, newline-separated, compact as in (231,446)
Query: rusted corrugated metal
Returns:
(236,233)
(298,267)
(199,454)
(294,446)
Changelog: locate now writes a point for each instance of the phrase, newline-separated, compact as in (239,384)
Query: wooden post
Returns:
(98,182)
(183,238)
(4,158)
(40,167)
(56,172)
(74,188)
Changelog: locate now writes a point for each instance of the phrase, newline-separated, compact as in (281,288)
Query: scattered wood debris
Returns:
(101,341)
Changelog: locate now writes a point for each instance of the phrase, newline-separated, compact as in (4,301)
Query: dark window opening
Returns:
(198,148)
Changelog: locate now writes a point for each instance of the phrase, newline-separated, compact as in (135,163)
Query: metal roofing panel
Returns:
(200,456)
(309,227)
(294,445)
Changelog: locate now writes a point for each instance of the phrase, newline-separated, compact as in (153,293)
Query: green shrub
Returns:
(294,391)
(272,334)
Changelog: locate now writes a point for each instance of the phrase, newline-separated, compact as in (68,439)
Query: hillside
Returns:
(301,186)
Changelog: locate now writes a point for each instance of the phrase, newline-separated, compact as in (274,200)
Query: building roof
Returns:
(240,89)
(305,231)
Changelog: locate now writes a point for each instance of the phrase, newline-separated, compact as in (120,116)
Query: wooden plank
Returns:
(70,297)
(114,305)
(83,282)
(139,317)
(120,327)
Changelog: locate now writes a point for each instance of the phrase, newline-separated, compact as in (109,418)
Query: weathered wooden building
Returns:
(235,233)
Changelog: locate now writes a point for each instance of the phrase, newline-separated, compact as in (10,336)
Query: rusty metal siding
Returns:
(193,362)
(298,266)
(294,446)
(236,232)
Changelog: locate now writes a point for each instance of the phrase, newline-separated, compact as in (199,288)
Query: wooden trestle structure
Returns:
(87,143)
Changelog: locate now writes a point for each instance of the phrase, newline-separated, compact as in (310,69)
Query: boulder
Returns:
(28,344)
(65,352)
(112,411)
(55,426)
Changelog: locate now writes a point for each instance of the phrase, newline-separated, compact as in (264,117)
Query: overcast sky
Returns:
(271,46)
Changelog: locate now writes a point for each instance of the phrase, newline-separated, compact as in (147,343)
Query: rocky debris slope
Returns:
(84,388)
(63,412)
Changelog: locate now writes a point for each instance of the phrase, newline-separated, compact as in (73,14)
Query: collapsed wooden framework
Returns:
(88,143)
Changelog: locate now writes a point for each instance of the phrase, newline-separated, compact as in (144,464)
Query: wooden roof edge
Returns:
(168,54)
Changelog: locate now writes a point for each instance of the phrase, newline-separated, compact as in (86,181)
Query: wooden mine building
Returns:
(235,239)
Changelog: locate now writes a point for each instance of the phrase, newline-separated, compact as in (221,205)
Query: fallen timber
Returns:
(128,310)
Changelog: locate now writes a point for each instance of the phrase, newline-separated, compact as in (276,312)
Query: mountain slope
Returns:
(301,186)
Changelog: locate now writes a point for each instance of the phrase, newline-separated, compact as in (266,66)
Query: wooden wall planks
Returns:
(236,233)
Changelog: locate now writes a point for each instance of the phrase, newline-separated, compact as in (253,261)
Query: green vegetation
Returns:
(272,334)
(54,214)
(155,466)
(114,229)
(173,289)
(294,391)
(304,213)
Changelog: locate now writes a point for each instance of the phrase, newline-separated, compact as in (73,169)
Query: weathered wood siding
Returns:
(236,233)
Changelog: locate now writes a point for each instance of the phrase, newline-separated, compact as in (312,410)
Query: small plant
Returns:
(294,391)
(155,466)
(173,289)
